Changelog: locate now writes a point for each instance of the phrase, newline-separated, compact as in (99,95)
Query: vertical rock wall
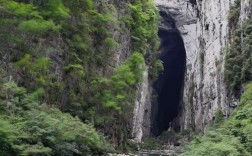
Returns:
(141,119)
(205,42)
(203,25)
(204,28)
(246,9)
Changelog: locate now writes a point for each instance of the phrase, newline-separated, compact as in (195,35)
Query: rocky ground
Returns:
(167,149)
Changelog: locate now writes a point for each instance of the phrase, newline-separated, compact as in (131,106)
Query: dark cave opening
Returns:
(169,85)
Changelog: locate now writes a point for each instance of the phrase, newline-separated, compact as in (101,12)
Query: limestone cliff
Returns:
(204,27)
(205,30)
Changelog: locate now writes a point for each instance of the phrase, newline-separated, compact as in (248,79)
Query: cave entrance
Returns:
(169,85)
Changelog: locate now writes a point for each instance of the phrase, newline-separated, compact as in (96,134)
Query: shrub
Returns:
(122,83)
(157,68)
(37,26)
(143,23)
(231,137)
(6,137)
(20,9)
(42,130)
(218,116)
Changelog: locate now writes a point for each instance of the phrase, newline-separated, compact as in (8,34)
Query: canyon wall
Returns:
(204,27)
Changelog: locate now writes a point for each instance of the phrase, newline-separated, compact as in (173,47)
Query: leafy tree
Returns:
(28,128)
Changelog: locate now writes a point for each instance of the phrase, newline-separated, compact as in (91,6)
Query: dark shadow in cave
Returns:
(169,85)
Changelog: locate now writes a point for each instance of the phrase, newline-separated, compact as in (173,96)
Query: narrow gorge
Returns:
(103,77)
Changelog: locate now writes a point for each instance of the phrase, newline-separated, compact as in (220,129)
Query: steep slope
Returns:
(87,57)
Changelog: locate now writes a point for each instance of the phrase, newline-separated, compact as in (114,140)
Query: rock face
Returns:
(205,39)
(142,117)
(203,25)
(246,9)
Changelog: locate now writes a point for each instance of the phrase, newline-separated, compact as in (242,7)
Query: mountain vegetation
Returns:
(70,72)
(229,137)
(62,89)
(238,64)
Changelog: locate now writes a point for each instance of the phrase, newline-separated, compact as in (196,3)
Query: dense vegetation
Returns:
(29,127)
(230,137)
(61,55)
(238,66)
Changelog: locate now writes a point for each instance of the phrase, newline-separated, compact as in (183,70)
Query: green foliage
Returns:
(122,83)
(29,18)
(158,68)
(20,9)
(75,69)
(215,144)
(30,129)
(232,137)
(151,144)
(38,68)
(234,13)
(53,9)
(116,99)
(63,54)
(218,116)
(246,96)
(6,137)
(143,23)
(38,71)
(36,26)
(110,43)
(238,65)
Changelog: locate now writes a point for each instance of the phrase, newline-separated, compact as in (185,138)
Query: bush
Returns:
(37,26)
(28,128)
(6,137)
(231,137)
(157,68)
(218,116)
(20,9)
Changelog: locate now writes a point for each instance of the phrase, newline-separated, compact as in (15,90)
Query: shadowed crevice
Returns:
(169,84)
